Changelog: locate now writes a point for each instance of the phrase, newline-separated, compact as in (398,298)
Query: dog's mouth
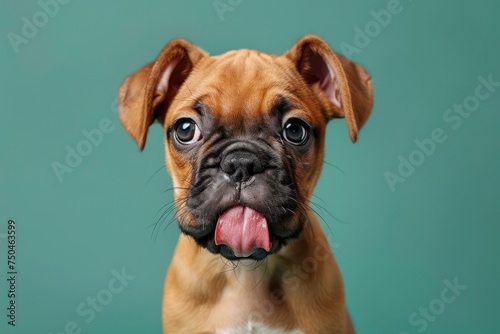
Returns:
(242,232)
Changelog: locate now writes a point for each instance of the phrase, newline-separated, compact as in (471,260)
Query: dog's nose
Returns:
(240,166)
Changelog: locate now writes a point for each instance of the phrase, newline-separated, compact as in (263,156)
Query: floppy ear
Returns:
(146,95)
(343,88)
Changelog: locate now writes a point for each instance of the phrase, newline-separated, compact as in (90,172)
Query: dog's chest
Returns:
(245,300)
(256,328)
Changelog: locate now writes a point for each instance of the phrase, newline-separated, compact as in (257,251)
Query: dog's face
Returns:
(242,144)
(244,136)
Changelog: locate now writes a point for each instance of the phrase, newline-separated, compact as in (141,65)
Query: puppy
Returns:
(244,143)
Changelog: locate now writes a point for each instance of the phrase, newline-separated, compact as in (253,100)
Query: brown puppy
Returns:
(244,143)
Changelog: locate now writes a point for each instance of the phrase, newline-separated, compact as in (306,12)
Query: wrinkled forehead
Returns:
(244,83)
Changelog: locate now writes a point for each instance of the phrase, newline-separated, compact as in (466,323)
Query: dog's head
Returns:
(244,135)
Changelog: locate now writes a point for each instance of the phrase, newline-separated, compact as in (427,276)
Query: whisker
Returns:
(325,210)
(336,167)
(159,169)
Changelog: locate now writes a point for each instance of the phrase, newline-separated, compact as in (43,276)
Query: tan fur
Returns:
(203,292)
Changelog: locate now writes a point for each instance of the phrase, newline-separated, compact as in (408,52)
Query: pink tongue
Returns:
(244,230)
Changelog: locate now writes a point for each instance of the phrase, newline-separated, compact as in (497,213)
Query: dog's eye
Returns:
(296,131)
(187,132)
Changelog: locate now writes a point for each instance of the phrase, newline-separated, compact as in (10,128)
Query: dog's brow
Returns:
(199,107)
(282,105)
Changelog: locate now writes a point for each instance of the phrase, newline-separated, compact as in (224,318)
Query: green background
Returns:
(395,248)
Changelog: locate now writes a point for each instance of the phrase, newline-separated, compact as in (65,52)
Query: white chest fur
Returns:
(255,328)
(244,295)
